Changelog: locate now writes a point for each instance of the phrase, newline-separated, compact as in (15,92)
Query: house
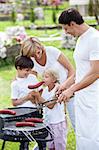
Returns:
(81,5)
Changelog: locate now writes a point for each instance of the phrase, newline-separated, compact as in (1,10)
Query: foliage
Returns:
(7,74)
(54,16)
(32,15)
(5,62)
(94,9)
(7,71)
(13,15)
(90,8)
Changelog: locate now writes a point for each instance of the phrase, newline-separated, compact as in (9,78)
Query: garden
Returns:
(13,29)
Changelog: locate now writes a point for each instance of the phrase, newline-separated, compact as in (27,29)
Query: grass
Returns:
(7,73)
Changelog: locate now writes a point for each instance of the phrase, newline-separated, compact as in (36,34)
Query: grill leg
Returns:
(24,146)
(42,145)
(3,145)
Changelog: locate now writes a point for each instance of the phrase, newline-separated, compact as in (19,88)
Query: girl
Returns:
(54,115)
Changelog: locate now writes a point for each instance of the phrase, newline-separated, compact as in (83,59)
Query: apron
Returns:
(87,120)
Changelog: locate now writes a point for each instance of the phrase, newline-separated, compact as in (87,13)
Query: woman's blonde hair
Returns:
(53,73)
(29,45)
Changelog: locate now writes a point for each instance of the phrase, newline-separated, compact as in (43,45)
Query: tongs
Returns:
(41,105)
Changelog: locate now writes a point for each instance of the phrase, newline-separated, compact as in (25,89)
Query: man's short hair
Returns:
(23,62)
(69,15)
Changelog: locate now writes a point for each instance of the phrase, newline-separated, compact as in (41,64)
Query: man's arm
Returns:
(67,83)
(91,77)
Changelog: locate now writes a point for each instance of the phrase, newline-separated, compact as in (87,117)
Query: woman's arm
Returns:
(34,72)
(66,63)
(71,72)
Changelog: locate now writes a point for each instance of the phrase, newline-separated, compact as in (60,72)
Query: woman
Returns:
(45,57)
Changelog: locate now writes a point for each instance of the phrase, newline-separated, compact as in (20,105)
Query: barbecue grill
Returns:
(24,135)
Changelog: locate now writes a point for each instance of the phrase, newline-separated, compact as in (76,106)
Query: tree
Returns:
(94,9)
(90,8)
(32,15)
(54,16)
(13,15)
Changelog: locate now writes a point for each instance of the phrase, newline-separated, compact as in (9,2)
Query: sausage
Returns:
(35,85)
(36,120)
(7,111)
(24,124)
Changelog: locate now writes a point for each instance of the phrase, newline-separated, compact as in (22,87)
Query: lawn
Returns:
(7,73)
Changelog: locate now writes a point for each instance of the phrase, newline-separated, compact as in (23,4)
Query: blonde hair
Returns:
(29,45)
(53,73)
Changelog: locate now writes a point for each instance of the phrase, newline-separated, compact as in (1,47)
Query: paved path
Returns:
(50,38)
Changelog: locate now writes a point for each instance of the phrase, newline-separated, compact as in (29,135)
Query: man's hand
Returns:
(65,95)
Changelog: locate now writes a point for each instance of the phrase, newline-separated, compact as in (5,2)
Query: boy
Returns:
(20,93)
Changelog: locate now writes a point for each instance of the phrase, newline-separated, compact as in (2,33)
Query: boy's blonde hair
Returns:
(29,45)
(53,73)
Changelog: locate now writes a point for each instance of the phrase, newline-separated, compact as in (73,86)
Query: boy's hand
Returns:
(35,96)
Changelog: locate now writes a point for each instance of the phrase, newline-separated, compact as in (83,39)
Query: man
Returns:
(86,86)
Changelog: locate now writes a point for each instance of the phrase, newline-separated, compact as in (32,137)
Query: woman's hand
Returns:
(59,89)
(34,72)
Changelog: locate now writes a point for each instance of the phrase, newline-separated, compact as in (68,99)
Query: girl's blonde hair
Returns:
(29,45)
(53,73)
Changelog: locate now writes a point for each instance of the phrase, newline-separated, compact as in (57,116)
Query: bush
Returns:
(11,53)
(54,16)
(32,15)
(13,16)
(90,8)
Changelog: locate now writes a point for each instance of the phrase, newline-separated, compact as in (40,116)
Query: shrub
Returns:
(13,15)
(32,15)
